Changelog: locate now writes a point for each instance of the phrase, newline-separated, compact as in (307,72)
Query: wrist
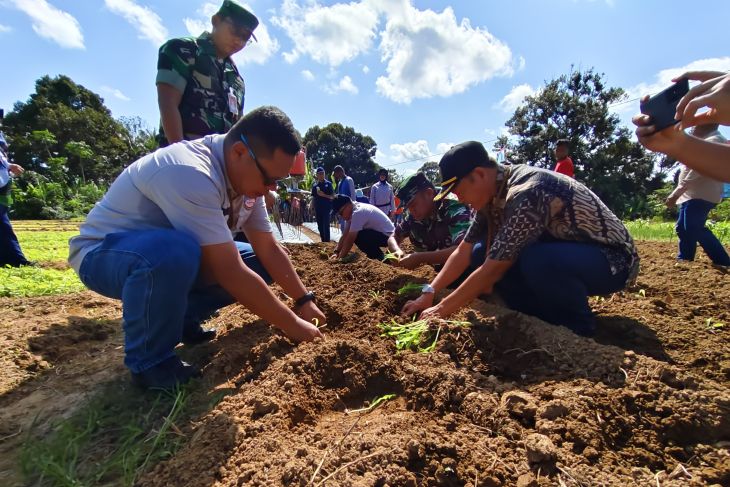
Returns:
(308,297)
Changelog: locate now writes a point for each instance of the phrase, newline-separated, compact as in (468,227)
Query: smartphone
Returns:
(663,106)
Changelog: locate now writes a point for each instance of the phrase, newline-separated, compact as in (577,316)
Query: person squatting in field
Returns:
(551,242)
(365,226)
(161,241)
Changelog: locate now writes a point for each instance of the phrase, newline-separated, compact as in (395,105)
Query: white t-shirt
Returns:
(182,186)
(368,217)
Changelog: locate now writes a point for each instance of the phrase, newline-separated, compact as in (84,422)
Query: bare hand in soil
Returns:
(303,331)
(310,312)
(424,301)
(433,312)
(409,261)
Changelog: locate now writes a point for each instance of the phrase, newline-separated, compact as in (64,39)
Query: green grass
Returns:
(116,436)
(42,247)
(649,230)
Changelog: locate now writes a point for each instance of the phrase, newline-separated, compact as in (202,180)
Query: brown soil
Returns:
(509,401)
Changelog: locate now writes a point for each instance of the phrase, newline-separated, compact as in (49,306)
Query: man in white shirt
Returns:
(381,194)
(161,241)
(696,196)
(365,226)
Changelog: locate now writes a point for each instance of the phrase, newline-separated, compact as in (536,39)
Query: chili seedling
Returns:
(410,288)
(413,335)
(391,256)
(373,404)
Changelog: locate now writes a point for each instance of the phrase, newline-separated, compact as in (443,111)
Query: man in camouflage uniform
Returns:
(199,89)
(435,229)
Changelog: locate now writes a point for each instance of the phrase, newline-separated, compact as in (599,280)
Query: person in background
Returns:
(381,194)
(551,242)
(161,241)
(367,227)
(199,88)
(564,164)
(360,197)
(435,228)
(322,195)
(696,196)
(346,187)
(10,251)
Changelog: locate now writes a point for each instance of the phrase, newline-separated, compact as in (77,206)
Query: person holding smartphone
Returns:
(707,157)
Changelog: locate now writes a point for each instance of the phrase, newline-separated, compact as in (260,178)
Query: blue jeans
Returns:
(478,256)
(553,281)
(691,230)
(10,253)
(155,274)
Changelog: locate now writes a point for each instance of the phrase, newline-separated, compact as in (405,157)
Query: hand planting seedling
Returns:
(391,257)
(351,257)
(410,288)
(411,336)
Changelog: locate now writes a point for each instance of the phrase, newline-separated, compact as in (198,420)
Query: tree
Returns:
(59,112)
(336,144)
(431,171)
(576,107)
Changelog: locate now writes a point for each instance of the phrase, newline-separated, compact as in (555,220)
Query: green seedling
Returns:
(391,256)
(641,293)
(410,288)
(374,403)
(375,294)
(413,335)
(713,325)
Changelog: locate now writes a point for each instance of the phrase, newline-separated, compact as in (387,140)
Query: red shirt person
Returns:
(565,163)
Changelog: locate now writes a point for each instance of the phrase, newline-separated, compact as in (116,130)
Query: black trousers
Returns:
(323,224)
(370,242)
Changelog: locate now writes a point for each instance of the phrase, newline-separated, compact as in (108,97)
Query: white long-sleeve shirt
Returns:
(382,197)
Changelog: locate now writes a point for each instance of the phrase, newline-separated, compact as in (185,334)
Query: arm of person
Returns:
(433,257)
(276,262)
(221,263)
(455,265)
(168,100)
(15,169)
(479,282)
(681,188)
(346,242)
(373,192)
(394,247)
(713,93)
(708,158)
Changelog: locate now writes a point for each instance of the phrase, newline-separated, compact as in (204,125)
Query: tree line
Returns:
(72,147)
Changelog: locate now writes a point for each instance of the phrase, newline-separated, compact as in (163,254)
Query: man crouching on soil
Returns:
(365,226)
(551,242)
(160,240)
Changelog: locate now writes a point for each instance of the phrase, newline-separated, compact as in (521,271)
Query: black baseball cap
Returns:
(459,161)
(339,202)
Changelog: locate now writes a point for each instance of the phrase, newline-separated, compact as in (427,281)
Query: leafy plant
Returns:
(410,288)
(374,403)
(714,325)
(418,335)
(390,256)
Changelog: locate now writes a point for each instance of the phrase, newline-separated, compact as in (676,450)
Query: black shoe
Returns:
(197,336)
(166,375)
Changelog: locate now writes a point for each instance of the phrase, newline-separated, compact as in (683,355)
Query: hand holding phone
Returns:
(663,106)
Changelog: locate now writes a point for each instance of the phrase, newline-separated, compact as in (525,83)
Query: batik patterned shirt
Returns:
(534,204)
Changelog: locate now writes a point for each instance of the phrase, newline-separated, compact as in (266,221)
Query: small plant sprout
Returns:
(417,333)
(373,404)
(391,256)
(641,293)
(375,294)
(410,288)
(714,326)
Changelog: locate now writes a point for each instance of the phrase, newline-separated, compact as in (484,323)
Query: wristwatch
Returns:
(427,289)
(304,299)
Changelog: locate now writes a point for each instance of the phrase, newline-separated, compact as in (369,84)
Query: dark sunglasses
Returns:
(268,180)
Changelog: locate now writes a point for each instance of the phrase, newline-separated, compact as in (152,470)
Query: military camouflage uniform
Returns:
(213,90)
(446,229)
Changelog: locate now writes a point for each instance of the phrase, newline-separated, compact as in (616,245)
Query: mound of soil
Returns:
(510,400)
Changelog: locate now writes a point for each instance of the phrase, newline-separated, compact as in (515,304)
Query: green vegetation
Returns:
(650,230)
(374,403)
(43,247)
(410,289)
(417,333)
(110,441)
(390,256)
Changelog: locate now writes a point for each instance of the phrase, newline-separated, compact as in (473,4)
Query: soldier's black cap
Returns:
(459,161)
(239,15)
(410,187)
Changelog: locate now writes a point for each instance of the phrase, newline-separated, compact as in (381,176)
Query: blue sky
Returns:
(417,76)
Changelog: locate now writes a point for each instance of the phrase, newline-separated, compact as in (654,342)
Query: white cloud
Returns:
(147,23)
(410,151)
(52,23)
(365,69)
(430,54)
(5,28)
(254,53)
(329,35)
(443,148)
(345,84)
(308,75)
(115,93)
(515,97)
